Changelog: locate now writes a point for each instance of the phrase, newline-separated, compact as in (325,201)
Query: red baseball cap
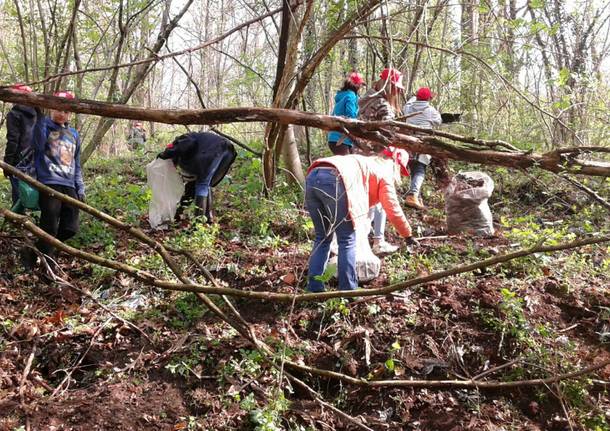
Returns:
(21,88)
(401,158)
(424,93)
(393,75)
(355,78)
(65,94)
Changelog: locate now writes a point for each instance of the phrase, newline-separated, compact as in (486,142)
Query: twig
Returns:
(67,378)
(495,369)
(587,190)
(24,377)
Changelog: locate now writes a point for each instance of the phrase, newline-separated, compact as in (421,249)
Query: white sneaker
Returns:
(383,247)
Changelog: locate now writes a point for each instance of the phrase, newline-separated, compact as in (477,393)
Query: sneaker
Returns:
(413,201)
(383,247)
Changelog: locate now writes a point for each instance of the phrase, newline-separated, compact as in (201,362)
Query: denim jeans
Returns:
(379,219)
(326,201)
(418,173)
(203,184)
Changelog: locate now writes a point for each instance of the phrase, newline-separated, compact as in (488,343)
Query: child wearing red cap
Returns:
(346,105)
(57,149)
(381,103)
(420,113)
(20,122)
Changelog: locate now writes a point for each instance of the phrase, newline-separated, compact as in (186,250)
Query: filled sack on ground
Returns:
(466,204)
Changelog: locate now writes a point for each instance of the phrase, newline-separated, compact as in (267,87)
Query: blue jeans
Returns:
(203,184)
(379,219)
(418,173)
(326,201)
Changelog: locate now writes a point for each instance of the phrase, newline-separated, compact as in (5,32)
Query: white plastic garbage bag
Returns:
(167,190)
(466,204)
(368,265)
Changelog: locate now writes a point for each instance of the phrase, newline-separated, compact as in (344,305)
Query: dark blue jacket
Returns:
(346,105)
(57,155)
(196,153)
(20,123)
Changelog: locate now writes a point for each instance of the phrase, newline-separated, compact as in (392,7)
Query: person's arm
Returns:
(13,132)
(389,202)
(79,184)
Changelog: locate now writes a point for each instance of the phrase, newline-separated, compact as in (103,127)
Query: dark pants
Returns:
(340,150)
(57,218)
(189,196)
(14,189)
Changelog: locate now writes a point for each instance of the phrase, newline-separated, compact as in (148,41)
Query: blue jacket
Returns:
(346,105)
(57,155)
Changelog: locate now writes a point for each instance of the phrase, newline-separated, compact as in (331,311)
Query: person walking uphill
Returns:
(420,113)
(346,105)
(57,164)
(204,159)
(381,103)
(20,122)
(339,191)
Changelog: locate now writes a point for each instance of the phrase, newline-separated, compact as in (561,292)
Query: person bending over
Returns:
(339,191)
(203,159)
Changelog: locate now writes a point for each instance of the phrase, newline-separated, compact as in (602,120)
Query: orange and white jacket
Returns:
(368,181)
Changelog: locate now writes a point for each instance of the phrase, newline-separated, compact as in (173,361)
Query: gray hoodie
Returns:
(425,116)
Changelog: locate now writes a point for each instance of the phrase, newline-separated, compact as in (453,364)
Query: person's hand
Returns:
(411,242)
(6,174)
(81,196)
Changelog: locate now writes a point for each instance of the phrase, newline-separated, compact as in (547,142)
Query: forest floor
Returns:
(67,363)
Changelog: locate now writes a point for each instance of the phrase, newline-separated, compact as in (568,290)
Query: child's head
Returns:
(354,81)
(390,84)
(59,116)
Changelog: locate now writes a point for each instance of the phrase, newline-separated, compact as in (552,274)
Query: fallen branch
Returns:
(450,384)
(384,132)
(594,195)
(187,285)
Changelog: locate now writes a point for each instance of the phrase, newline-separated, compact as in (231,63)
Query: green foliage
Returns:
(268,417)
(189,309)
(250,213)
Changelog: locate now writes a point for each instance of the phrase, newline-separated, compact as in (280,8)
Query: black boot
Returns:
(201,206)
(209,214)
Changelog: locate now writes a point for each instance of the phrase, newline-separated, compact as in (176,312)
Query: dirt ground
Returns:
(66,363)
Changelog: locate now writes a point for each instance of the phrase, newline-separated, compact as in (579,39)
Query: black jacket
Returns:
(20,123)
(195,152)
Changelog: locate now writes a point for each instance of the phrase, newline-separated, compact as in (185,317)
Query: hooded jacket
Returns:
(421,114)
(57,155)
(20,123)
(368,181)
(196,153)
(374,107)
(346,105)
